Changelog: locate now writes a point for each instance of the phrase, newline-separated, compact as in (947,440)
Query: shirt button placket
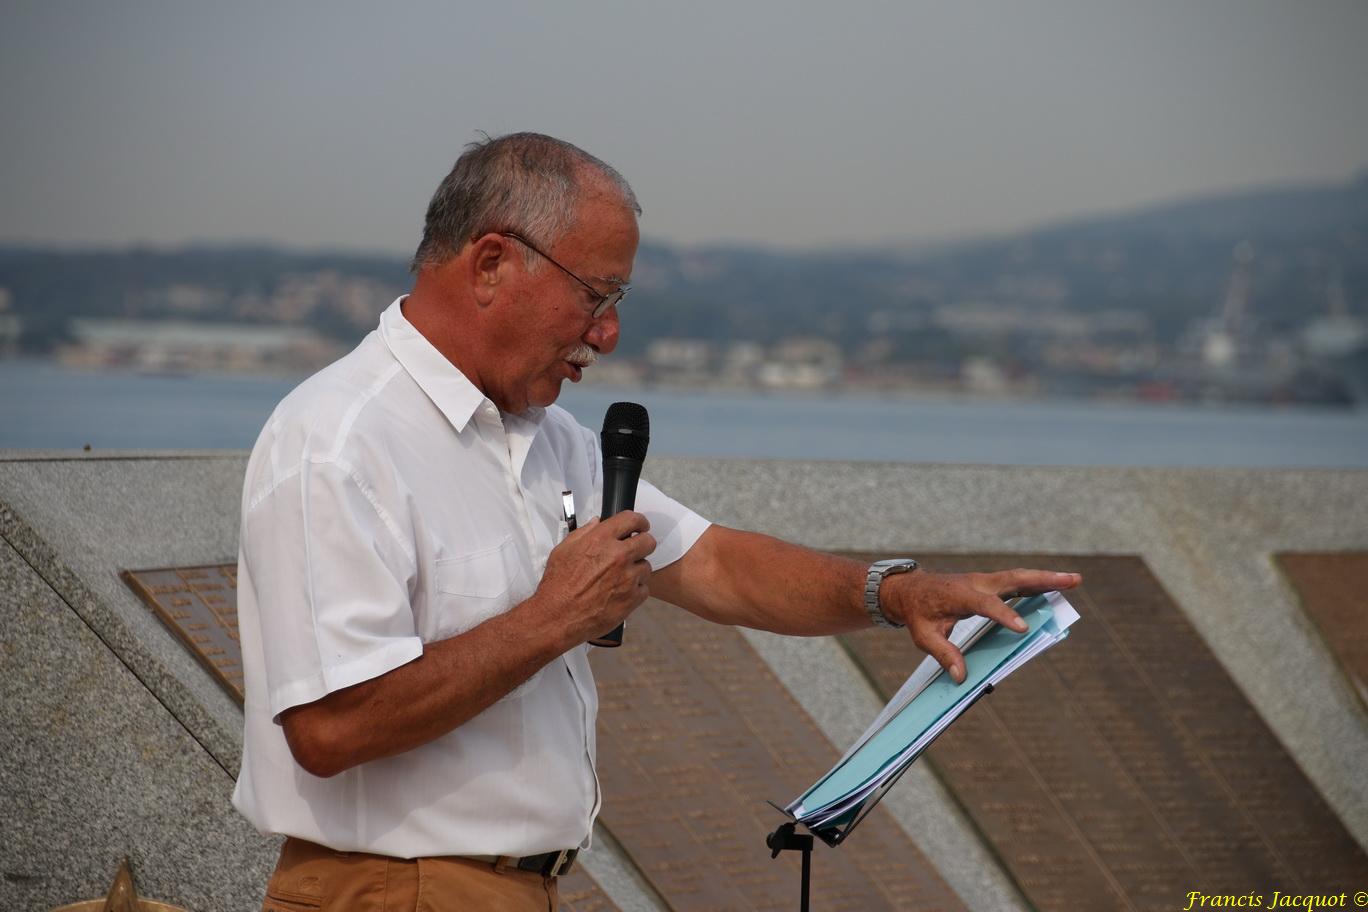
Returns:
(515,492)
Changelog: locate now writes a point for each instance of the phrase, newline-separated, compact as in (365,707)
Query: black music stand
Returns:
(786,838)
(833,834)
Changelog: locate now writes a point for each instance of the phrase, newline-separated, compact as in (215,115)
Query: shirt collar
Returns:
(449,389)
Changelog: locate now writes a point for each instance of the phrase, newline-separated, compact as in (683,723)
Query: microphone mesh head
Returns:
(626,431)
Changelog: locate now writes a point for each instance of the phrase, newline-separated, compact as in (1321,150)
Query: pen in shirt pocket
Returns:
(568,511)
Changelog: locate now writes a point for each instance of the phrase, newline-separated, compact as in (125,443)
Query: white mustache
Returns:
(582,356)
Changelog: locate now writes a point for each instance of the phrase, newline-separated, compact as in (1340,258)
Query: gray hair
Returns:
(526,183)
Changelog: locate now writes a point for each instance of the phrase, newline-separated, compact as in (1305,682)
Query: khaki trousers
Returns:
(312,878)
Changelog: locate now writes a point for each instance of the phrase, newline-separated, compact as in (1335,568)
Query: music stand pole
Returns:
(786,838)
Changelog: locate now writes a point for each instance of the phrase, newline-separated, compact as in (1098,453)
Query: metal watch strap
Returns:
(874,579)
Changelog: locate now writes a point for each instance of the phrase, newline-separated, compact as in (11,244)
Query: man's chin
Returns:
(544,396)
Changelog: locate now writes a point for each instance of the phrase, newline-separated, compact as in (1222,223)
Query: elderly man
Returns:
(413,614)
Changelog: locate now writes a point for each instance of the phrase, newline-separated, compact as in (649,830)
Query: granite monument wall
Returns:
(117,742)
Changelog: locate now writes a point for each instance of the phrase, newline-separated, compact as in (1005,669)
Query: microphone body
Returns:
(626,434)
(620,477)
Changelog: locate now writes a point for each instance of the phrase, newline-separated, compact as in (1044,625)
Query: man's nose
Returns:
(602,333)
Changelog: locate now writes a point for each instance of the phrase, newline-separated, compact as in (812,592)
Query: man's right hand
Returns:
(598,575)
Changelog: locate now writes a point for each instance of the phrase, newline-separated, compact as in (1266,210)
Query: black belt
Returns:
(547,864)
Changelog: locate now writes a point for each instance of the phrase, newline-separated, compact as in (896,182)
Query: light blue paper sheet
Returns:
(940,696)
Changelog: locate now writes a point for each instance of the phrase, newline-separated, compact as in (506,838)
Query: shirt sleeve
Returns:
(674,525)
(330,574)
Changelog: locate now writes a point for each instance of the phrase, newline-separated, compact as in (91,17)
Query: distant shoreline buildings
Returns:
(1254,297)
(980,349)
(184,347)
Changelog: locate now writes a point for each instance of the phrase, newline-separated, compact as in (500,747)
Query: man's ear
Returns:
(488,264)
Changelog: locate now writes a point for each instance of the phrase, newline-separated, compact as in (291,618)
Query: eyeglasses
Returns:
(601,301)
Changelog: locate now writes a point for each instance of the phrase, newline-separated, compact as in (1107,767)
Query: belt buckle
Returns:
(555,866)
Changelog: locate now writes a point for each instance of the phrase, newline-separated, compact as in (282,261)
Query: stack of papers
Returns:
(924,707)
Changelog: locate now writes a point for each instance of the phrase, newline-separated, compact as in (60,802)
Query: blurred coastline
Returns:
(1253,297)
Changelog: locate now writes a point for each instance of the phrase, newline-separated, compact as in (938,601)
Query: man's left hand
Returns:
(931,603)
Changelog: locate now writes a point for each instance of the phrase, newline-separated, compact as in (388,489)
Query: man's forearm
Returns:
(451,682)
(754,580)
(734,577)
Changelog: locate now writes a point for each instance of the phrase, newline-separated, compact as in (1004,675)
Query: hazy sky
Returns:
(780,123)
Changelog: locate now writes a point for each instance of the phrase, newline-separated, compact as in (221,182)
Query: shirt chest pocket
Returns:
(474,587)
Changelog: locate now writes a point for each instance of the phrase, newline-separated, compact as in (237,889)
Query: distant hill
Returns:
(1170,263)
(1267,213)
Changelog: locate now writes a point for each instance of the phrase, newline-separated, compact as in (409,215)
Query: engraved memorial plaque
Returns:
(199,605)
(1124,768)
(695,734)
(1333,588)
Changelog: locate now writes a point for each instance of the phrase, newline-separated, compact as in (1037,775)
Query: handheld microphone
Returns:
(626,434)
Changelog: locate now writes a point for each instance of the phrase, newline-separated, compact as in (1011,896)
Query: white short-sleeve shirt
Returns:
(388,504)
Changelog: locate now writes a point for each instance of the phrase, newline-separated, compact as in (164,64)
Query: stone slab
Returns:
(1123,768)
(1333,587)
(94,768)
(81,521)
(694,736)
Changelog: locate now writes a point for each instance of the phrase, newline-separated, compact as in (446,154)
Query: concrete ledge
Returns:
(80,521)
(94,769)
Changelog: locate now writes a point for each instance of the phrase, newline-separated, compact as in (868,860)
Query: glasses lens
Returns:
(604,303)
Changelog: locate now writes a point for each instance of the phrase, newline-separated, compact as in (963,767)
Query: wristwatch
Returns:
(874,579)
